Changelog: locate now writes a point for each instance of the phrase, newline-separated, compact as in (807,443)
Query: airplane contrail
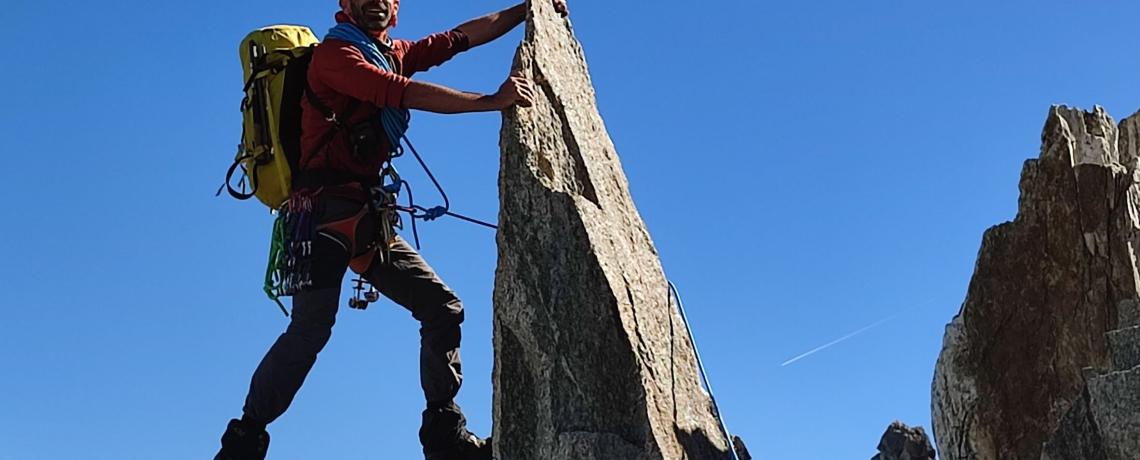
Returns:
(848,336)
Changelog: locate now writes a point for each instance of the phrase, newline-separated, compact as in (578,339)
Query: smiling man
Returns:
(360,80)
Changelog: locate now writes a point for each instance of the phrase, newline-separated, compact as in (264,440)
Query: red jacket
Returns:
(340,73)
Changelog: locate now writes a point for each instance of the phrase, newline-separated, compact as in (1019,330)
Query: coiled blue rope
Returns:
(394,120)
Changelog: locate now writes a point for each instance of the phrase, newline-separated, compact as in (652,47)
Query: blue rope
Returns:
(704,376)
(434,213)
(394,120)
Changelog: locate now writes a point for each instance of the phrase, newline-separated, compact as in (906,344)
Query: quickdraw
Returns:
(291,249)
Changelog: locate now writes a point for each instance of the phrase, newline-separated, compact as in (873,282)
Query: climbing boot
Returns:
(468,447)
(445,436)
(244,440)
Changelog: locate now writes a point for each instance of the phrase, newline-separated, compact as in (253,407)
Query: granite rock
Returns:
(591,357)
(1104,423)
(902,442)
(1044,294)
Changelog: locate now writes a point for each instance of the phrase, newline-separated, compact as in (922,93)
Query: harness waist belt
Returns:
(325,177)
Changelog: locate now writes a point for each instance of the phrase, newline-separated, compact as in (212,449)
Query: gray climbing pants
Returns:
(406,279)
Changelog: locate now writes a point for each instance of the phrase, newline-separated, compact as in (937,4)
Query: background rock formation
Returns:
(902,442)
(1104,422)
(591,358)
(1043,296)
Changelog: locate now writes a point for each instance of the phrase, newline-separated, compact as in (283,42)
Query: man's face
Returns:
(373,15)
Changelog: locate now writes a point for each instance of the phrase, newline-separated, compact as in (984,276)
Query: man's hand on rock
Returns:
(516,90)
(561,8)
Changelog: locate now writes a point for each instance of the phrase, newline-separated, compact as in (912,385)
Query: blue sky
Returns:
(806,169)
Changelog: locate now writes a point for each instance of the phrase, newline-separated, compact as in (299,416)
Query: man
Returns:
(349,85)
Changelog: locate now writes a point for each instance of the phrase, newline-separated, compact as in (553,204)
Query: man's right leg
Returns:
(283,369)
(281,373)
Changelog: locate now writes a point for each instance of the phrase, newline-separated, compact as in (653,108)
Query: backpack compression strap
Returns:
(252,179)
(338,123)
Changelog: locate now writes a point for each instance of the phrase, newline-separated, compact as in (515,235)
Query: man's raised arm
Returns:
(516,90)
(492,26)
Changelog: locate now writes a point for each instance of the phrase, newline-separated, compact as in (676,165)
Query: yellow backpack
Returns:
(276,63)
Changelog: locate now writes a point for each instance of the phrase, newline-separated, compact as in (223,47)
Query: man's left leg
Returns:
(410,282)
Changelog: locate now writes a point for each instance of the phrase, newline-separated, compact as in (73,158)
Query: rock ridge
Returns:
(1047,290)
(591,358)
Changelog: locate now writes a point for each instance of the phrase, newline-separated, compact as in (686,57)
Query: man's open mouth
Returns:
(376,13)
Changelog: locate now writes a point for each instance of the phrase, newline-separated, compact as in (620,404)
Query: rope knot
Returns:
(434,213)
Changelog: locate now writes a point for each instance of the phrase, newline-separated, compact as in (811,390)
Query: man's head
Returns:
(371,15)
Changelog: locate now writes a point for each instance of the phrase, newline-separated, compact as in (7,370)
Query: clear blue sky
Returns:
(806,169)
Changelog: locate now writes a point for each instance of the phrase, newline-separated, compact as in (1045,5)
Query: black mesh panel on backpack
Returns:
(296,77)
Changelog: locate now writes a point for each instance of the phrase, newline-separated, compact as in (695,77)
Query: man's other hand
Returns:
(516,90)
(561,8)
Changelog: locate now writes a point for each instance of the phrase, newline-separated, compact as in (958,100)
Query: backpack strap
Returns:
(338,123)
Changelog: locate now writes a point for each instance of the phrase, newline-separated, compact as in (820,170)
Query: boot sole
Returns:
(456,456)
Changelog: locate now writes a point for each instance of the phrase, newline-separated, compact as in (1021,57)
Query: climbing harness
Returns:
(735,445)
(293,232)
(385,205)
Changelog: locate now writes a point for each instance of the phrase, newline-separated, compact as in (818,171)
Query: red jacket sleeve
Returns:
(342,68)
(431,51)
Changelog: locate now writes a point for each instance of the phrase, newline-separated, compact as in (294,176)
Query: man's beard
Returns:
(363,20)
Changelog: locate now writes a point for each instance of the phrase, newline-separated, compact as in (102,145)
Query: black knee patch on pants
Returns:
(443,424)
